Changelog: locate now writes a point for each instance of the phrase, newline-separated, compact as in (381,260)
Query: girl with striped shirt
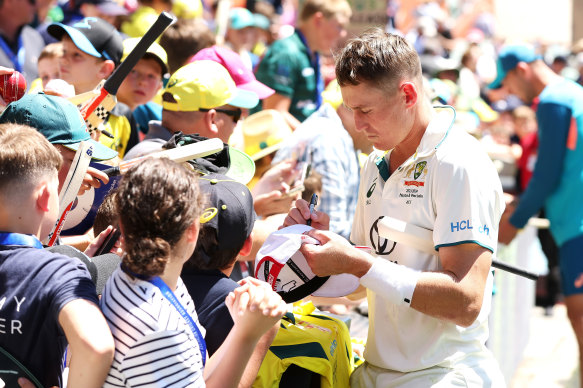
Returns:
(158,339)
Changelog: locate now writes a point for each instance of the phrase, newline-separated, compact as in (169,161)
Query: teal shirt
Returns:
(287,69)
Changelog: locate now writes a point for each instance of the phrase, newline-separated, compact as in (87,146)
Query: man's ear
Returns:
(43,197)
(409,91)
(523,69)
(210,119)
(317,18)
(106,68)
(247,246)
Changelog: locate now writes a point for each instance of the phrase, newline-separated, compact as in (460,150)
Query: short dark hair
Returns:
(106,214)
(157,200)
(378,58)
(183,39)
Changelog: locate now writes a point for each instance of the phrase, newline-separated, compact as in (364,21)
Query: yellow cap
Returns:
(204,84)
(155,51)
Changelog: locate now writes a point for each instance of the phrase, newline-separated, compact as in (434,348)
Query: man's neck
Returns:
(308,33)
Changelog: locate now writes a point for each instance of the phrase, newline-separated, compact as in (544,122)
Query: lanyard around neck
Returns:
(315,61)
(168,294)
(17,58)
(18,239)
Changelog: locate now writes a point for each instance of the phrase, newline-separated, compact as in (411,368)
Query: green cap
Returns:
(57,119)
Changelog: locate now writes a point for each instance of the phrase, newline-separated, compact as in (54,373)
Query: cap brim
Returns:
(100,152)
(500,75)
(242,167)
(262,90)
(112,9)
(57,30)
(244,99)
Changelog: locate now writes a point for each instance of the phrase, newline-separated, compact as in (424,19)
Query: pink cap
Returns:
(243,77)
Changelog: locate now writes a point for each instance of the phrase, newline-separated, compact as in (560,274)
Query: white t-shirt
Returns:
(154,346)
(449,186)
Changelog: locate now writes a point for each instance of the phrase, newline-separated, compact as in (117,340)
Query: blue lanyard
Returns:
(315,61)
(17,239)
(16,59)
(168,294)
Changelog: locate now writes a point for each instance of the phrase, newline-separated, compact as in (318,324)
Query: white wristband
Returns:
(391,281)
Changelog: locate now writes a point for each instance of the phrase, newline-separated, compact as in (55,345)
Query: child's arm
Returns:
(90,343)
(255,308)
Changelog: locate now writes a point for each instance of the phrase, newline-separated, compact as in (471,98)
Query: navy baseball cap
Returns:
(230,213)
(93,36)
(57,119)
(507,60)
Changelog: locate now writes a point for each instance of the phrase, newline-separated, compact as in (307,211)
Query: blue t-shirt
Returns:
(208,290)
(557,178)
(35,285)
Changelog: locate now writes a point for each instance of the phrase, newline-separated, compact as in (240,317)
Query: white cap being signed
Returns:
(280,263)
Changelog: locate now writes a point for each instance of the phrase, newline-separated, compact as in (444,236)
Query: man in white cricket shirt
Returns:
(428,315)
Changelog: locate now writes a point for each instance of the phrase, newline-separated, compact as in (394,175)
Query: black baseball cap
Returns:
(93,36)
(229,212)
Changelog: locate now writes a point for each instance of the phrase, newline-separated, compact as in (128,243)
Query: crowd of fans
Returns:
(257,74)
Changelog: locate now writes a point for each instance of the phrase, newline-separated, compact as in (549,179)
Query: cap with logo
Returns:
(508,58)
(280,263)
(230,213)
(155,51)
(243,77)
(93,36)
(57,119)
(204,84)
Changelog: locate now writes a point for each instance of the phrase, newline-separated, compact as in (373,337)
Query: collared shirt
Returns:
(288,69)
(323,139)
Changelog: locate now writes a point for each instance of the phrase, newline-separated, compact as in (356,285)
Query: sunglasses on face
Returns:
(235,114)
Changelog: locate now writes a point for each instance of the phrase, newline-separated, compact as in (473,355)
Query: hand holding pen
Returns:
(313,203)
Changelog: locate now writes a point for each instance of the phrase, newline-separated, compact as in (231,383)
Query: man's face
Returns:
(382,118)
(226,122)
(142,84)
(78,68)
(516,82)
(331,30)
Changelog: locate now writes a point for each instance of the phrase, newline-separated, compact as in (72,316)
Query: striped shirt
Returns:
(154,346)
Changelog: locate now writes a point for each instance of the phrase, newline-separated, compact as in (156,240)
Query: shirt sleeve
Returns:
(554,121)
(75,283)
(278,71)
(468,202)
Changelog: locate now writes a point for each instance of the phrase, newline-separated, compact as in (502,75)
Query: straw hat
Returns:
(264,133)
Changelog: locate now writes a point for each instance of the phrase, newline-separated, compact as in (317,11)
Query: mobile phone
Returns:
(109,242)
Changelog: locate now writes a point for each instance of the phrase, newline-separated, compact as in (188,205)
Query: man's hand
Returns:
(93,178)
(507,231)
(4,71)
(300,214)
(335,255)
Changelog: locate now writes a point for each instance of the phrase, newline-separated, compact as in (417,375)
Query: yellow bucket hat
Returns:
(264,132)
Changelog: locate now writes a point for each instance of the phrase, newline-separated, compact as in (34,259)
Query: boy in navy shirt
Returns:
(46,300)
